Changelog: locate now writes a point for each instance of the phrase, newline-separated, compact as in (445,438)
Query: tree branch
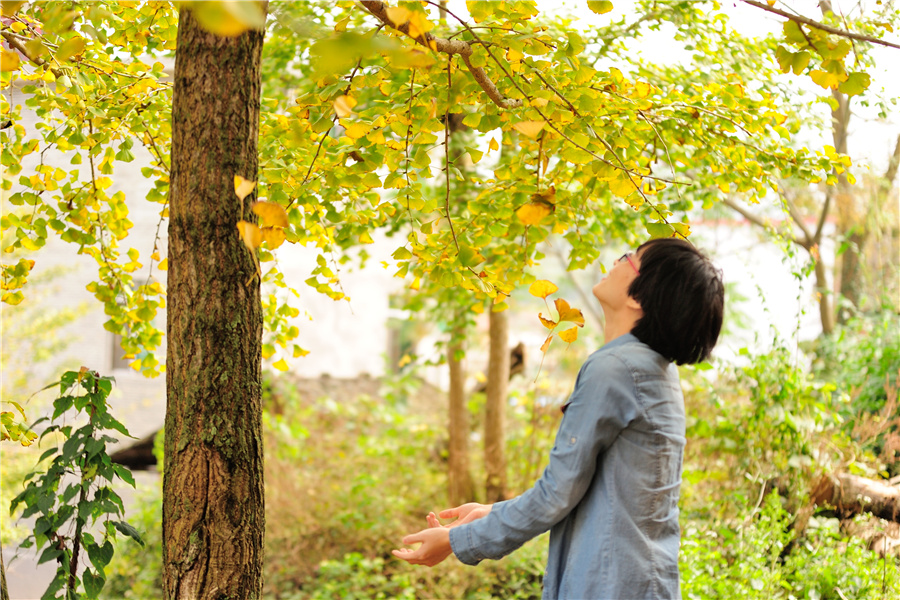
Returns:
(449,47)
(15,44)
(795,215)
(822,26)
(891,172)
(756,220)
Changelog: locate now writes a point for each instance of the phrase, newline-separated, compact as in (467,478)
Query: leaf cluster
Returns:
(76,491)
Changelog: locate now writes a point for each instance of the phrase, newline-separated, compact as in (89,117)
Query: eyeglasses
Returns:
(627,256)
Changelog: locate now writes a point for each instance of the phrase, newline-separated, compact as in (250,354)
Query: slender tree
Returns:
(213,519)
(495,408)
(459,476)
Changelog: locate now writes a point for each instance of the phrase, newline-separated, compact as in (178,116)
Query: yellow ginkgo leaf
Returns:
(546,344)
(419,25)
(529,128)
(271,213)
(533,212)
(546,322)
(280,365)
(243,187)
(343,106)
(9,61)
(542,288)
(623,186)
(357,130)
(398,15)
(494,145)
(569,335)
(567,313)
(250,234)
(641,89)
(273,236)
(163,265)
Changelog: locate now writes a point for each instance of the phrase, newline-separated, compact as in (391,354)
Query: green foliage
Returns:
(749,557)
(766,420)
(76,490)
(862,358)
(137,571)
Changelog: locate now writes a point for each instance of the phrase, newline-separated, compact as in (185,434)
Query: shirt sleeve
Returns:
(601,405)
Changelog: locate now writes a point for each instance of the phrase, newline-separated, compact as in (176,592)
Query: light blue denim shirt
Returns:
(610,492)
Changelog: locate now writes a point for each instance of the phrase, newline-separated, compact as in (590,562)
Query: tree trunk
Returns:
(495,407)
(852,495)
(213,517)
(459,476)
(826,306)
(851,216)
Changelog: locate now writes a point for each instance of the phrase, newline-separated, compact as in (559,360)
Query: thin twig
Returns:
(447,150)
(818,25)
(445,46)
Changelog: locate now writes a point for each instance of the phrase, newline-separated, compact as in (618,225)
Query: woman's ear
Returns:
(634,305)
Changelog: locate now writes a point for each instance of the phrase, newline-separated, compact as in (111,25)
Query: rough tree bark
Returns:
(494,411)
(459,477)
(213,518)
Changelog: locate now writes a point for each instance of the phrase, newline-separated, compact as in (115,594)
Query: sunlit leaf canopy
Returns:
(471,138)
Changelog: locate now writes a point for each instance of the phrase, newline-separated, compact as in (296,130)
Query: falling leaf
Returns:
(567,313)
(280,365)
(546,343)
(250,234)
(273,236)
(542,288)
(343,106)
(529,128)
(569,335)
(163,265)
(271,213)
(533,212)
(243,187)
(547,322)
(493,145)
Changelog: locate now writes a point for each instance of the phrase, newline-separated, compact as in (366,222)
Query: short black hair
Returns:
(683,299)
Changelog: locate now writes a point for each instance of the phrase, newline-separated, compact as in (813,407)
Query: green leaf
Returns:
(856,83)
(128,530)
(793,33)
(472,119)
(799,62)
(469,257)
(93,583)
(784,57)
(601,7)
(124,474)
(100,555)
(660,230)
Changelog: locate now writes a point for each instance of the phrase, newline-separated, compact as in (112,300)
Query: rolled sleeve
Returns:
(601,405)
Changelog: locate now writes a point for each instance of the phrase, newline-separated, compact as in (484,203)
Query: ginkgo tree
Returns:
(357,100)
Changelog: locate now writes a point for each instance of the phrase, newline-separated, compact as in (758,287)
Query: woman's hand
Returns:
(463,514)
(434,549)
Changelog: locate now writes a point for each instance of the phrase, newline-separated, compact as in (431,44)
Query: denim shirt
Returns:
(610,492)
